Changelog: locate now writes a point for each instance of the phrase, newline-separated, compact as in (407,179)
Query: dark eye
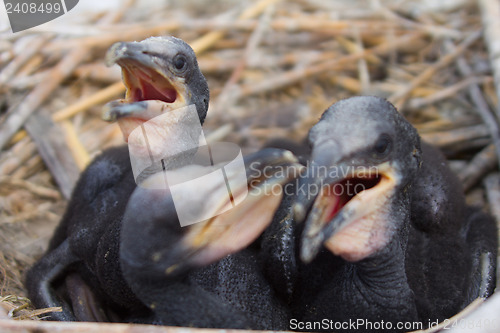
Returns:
(383,144)
(179,62)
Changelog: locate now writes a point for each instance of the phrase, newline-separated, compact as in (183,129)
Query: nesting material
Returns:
(273,67)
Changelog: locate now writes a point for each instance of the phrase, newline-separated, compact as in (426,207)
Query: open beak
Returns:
(234,229)
(151,90)
(345,209)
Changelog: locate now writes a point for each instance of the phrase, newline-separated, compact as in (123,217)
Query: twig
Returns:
(479,101)
(54,151)
(41,191)
(492,184)
(220,133)
(456,136)
(16,156)
(27,81)
(484,162)
(98,72)
(16,326)
(40,93)
(448,92)
(295,75)
(100,97)
(364,75)
(223,100)
(354,48)
(106,39)
(400,97)
(30,168)
(490,15)
(37,313)
(76,147)
(35,44)
(205,42)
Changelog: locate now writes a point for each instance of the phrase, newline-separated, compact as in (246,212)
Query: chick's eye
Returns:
(383,144)
(179,62)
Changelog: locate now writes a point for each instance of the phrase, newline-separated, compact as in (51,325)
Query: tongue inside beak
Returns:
(157,92)
(339,194)
(150,90)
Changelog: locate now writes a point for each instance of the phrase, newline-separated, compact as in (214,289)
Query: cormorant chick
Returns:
(161,74)
(81,265)
(401,244)
(208,274)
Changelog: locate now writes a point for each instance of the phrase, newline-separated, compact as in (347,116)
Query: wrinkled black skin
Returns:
(446,241)
(230,293)
(86,241)
(107,239)
(429,271)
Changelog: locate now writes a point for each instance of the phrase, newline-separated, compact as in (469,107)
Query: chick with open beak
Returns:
(206,274)
(161,74)
(364,155)
(401,245)
(80,272)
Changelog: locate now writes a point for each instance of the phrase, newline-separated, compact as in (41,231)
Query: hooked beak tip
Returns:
(310,248)
(299,212)
(115,52)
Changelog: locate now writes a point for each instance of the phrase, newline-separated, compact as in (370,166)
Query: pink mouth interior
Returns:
(341,193)
(143,84)
(148,91)
(146,84)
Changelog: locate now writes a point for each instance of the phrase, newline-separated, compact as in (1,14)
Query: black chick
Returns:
(208,274)
(81,266)
(401,245)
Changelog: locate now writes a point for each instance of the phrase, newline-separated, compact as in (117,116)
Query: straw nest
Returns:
(272,66)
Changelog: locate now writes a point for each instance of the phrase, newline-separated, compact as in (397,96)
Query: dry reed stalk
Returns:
(18,116)
(54,151)
(38,190)
(78,151)
(490,14)
(484,162)
(98,72)
(479,101)
(456,136)
(100,97)
(223,100)
(14,326)
(492,184)
(22,58)
(400,98)
(296,75)
(448,92)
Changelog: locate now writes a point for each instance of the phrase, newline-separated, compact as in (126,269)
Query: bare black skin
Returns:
(229,293)
(430,267)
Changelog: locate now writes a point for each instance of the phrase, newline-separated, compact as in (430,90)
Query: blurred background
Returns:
(273,67)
